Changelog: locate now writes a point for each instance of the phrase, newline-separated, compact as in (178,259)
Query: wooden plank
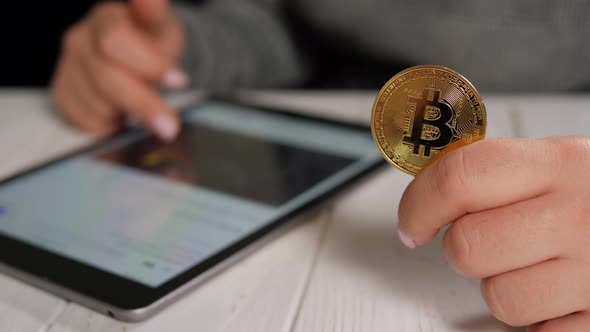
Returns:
(25,308)
(542,116)
(260,293)
(365,280)
(500,114)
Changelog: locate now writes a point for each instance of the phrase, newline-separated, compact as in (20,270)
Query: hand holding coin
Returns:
(519,220)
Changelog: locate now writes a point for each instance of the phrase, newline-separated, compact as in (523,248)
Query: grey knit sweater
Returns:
(507,45)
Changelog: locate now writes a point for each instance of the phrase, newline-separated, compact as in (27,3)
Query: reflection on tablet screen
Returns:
(230,172)
(232,163)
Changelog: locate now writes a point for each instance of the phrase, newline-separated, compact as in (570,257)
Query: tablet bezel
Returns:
(124,298)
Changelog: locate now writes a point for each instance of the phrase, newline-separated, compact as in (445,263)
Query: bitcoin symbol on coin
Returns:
(431,126)
(448,114)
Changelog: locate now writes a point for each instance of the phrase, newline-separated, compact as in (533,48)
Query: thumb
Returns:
(151,13)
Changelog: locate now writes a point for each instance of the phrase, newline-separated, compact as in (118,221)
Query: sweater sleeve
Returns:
(239,44)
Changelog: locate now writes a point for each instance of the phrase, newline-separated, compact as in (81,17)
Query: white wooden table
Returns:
(342,270)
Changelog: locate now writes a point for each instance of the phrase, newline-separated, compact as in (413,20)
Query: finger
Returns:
(544,291)
(129,94)
(491,242)
(151,13)
(119,40)
(81,86)
(481,176)
(133,96)
(73,111)
(77,110)
(576,322)
(77,81)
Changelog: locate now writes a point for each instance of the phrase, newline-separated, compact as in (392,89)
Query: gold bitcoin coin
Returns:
(423,112)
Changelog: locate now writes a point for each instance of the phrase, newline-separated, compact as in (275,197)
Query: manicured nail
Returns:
(165,127)
(406,240)
(175,79)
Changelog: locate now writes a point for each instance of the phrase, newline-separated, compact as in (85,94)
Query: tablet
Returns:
(127,226)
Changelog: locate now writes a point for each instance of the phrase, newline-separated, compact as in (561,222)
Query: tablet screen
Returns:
(147,210)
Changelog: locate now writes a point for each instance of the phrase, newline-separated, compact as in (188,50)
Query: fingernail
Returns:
(165,127)
(175,79)
(406,240)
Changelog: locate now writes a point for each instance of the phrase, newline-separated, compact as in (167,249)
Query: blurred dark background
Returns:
(31,35)
(31,40)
